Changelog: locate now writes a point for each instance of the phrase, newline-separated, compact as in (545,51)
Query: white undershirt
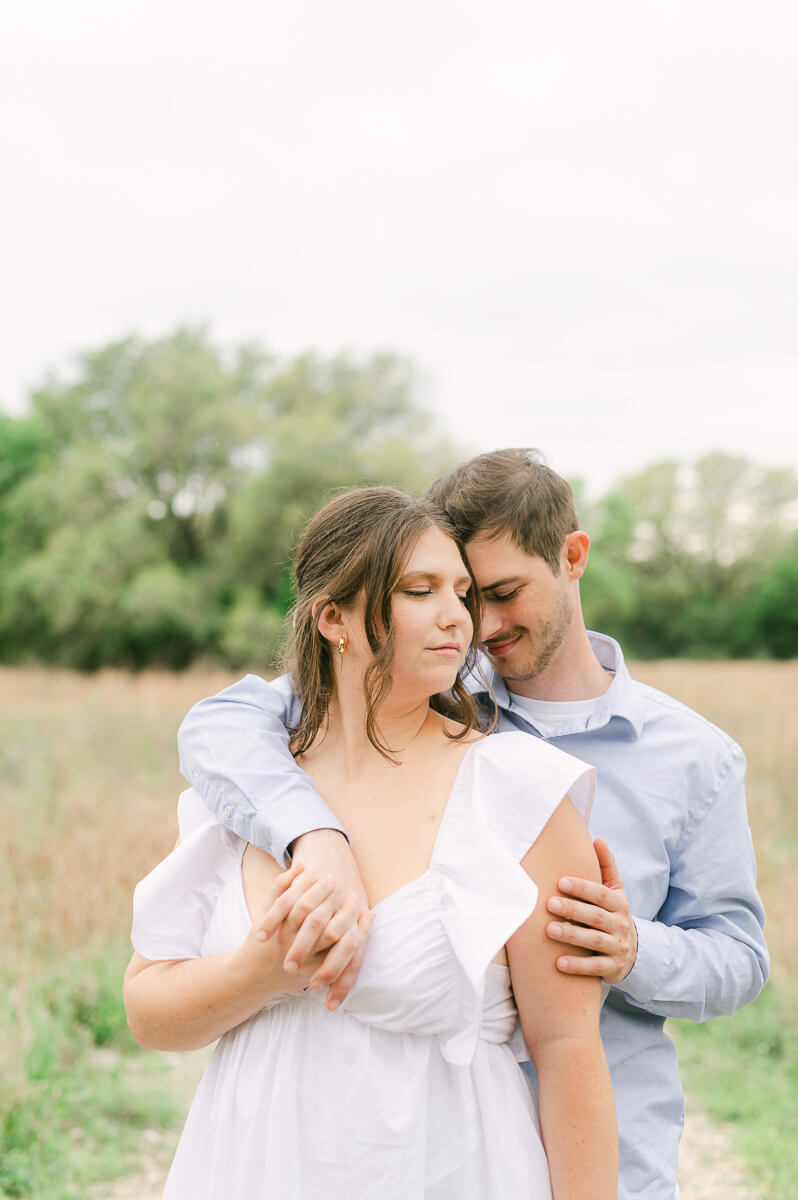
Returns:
(549,716)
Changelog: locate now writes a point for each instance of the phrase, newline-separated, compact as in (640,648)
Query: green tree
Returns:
(678,552)
(331,423)
(772,614)
(153,500)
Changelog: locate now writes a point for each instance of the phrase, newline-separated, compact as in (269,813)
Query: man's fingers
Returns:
(595,915)
(614,952)
(585,965)
(588,890)
(610,875)
(585,939)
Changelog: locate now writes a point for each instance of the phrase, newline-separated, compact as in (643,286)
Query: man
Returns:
(682,936)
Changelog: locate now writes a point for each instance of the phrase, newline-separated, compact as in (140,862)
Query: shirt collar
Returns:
(620,700)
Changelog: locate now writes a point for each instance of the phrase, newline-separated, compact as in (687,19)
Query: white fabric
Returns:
(411,1088)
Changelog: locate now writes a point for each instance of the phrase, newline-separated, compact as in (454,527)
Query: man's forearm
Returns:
(234,749)
(695,974)
(705,954)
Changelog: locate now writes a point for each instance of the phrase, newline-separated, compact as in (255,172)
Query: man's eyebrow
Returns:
(491,587)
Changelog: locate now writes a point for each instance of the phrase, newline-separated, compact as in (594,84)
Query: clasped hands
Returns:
(319,913)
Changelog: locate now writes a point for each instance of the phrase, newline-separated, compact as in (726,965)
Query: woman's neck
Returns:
(400,729)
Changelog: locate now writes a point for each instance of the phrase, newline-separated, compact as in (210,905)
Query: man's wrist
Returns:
(290,849)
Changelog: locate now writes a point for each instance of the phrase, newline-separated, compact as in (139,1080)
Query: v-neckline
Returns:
(436,843)
(410,882)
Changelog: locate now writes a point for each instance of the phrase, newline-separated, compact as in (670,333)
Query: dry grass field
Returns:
(89,780)
(755,703)
(88,784)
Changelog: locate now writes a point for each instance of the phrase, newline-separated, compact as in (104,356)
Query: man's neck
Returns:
(574,673)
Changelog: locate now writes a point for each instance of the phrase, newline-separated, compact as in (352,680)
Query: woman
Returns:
(410,1089)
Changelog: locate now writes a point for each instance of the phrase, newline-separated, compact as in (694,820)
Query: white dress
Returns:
(411,1088)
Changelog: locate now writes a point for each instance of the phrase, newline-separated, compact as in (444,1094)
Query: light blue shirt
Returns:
(670,802)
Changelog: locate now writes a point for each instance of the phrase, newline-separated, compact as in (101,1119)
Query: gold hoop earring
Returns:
(341,645)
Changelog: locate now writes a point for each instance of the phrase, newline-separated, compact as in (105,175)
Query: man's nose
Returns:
(491,621)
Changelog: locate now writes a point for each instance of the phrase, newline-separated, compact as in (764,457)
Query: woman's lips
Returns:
(448,650)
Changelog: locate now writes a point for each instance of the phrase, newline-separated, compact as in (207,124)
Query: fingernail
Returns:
(261,935)
(562,963)
(289,966)
(555,930)
(555,905)
(333,1004)
(565,885)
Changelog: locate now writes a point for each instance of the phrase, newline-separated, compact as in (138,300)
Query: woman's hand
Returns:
(327,910)
(316,938)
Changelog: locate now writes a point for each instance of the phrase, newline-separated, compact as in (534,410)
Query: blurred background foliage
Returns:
(149,505)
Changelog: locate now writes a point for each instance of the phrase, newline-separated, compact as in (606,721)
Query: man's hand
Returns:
(596,917)
(332,913)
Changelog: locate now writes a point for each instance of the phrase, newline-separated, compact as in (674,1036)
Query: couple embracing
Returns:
(385,897)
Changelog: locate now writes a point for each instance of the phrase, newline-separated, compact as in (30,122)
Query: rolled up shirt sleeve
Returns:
(234,749)
(705,953)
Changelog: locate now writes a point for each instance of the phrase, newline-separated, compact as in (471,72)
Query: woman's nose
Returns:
(454,612)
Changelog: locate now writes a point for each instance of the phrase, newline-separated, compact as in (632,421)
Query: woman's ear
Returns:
(329,620)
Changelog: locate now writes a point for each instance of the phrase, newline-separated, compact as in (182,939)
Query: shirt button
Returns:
(228,812)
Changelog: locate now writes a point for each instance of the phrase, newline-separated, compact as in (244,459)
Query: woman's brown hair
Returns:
(357,546)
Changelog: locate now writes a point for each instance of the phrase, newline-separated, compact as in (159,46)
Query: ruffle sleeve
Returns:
(509,785)
(174,906)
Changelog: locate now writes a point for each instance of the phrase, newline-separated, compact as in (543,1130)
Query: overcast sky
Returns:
(580,220)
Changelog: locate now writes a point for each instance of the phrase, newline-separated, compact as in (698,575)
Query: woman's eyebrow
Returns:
(463,580)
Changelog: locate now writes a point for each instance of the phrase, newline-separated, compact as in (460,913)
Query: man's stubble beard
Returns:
(552,634)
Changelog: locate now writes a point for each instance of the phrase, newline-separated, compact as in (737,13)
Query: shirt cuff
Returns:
(277,837)
(653,964)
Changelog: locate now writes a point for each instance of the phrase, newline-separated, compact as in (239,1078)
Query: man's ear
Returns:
(329,620)
(575,551)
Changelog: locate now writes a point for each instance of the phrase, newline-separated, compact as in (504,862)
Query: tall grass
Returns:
(756,704)
(743,1070)
(88,785)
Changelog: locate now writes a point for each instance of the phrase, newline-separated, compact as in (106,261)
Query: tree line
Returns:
(149,505)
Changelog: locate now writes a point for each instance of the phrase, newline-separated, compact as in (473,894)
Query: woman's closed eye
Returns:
(463,598)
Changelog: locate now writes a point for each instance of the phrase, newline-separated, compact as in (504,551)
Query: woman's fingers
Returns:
(342,962)
(341,922)
(323,935)
(297,894)
(322,928)
(307,921)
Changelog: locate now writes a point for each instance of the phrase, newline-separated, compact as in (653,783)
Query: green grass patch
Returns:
(80,1097)
(743,1072)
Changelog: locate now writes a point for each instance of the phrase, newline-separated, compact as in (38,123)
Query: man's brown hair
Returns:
(509,492)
